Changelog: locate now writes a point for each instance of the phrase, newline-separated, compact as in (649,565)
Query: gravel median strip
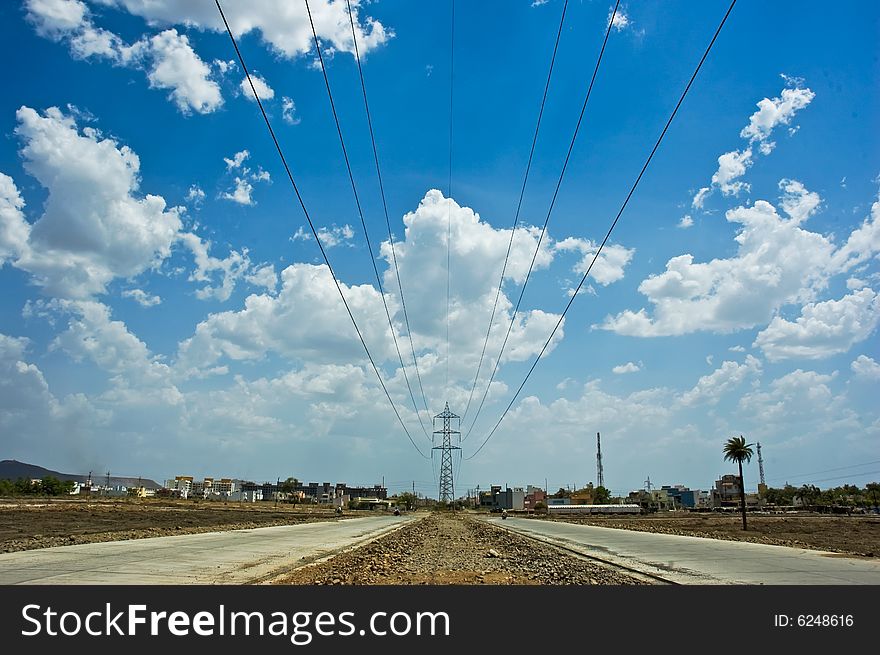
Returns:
(455,548)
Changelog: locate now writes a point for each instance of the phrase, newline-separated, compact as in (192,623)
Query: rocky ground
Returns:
(25,525)
(856,535)
(455,549)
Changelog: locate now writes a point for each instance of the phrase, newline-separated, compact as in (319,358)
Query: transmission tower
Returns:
(600,474)
(447,490)
(760,464)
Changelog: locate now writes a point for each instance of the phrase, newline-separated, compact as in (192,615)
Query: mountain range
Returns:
(11,469)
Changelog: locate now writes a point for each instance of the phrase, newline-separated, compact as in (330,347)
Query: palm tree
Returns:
(808,493)
(737,450)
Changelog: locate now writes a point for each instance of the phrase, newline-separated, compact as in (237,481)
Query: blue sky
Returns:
(166,311)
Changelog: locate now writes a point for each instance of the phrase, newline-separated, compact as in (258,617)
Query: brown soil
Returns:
(25,525)
(455,549)
(855,535)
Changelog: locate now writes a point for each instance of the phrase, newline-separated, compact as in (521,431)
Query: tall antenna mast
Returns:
(600,474)
(760,464)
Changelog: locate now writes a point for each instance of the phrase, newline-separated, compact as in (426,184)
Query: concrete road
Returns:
(697,560)
(232,557)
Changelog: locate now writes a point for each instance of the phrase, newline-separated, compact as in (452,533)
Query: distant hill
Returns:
(11,469)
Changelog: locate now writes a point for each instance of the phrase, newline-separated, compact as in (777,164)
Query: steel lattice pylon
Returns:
(447,488)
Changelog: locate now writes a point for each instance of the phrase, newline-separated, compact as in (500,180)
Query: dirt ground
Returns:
(457,546)
(29,524)
(857,535)
(456,549)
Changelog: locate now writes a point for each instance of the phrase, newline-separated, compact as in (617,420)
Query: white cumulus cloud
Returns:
(865,367)
(305,319)
(240,193)
(610,264)
(731,167)
(230,269)
(710,388)
(777,263)
(284,26)
(797,201)
(14,229)
(823,328)
(330,237)
(176,66)
(141,297)
(96,226)
(776,111)
(264,91)
(288,111)
(771,113)
(242,189)
(55,18)
(168,58)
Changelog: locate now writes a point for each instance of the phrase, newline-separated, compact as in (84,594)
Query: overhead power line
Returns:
(449,185)
(385,207)
(837,468)
(610,229)
(847,477)
(518,208)
(312,227)
(360,210)
(547,218)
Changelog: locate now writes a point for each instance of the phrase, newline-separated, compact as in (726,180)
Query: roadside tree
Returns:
(737,450)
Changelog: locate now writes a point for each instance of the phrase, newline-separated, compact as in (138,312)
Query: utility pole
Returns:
(108,483)
(600,474)
(447,490)
(546,498)
(277,484)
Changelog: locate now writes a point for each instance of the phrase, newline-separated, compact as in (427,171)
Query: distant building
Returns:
(534,495)
(138,492)
(249,495)
(376,491)
(182,484)
(726,491)
(370,503)
(680,496)
(314,492)
(499,499)
(640,497)
(582,496)
(209,487)
(512,499)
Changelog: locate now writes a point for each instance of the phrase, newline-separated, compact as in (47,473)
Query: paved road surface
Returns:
(232,557)
(696,560)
